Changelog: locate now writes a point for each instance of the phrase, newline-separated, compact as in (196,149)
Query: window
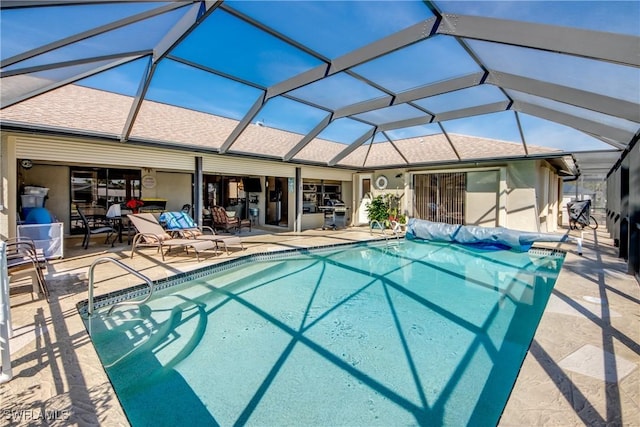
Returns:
(95,189)
(440,197)
(319,193)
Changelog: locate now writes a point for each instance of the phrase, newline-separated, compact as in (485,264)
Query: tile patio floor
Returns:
(582,367)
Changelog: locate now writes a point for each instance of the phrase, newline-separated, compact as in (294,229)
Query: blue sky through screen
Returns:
(18,32)
(226,46)
(610,16)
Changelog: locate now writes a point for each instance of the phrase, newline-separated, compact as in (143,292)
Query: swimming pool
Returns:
(416,333)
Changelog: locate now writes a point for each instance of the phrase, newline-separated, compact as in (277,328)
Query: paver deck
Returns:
(582,367)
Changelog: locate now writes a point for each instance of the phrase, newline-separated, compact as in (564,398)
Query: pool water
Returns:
(412,334)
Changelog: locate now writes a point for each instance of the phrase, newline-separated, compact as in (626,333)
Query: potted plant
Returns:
(378,210)
(134,205)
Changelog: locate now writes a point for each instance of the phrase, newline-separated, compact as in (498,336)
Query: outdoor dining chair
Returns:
(93,230)
(22,254)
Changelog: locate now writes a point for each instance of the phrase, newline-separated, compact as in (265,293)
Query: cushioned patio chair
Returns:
(222,220)
(151,234)
(183,225)
(22,254)
(91,231)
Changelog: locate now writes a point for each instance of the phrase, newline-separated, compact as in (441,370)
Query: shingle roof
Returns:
(79,107)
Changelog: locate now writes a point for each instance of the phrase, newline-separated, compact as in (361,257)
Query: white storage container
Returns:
(36,191)
(32,201)
(48,237)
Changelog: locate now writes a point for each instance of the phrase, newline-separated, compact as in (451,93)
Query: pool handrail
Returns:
(395,228)
(6,331)
(125,267)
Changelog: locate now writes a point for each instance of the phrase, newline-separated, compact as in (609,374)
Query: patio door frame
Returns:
(361,216)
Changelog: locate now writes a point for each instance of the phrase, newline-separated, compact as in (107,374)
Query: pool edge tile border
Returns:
(141,290)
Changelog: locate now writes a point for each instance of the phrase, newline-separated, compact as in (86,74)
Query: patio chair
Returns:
(91,231)
(22,254)
(151,234)
(182,224)
(222,220)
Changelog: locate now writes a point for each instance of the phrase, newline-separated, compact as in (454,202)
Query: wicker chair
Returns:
(222,220)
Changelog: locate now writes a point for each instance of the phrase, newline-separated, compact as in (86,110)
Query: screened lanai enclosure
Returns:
(364,84)
(361,85)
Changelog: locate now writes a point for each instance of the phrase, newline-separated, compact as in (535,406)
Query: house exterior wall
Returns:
(522,210)
(395,187)
(8,171)
(547,197)
(56,179)
(481,199)
(347,197)
(519,195)
(172,168)
(173,187)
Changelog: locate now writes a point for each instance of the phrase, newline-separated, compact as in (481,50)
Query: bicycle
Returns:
(577,224)
(580,215)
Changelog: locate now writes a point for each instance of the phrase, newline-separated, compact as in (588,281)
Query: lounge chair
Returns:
(222,220)
(22,254)
(183,225)
(151,234)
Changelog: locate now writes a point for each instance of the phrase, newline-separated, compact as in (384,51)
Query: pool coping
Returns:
(141,290)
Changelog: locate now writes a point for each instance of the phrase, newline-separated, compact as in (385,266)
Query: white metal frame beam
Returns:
(617,48)
(196,14)
(579,98)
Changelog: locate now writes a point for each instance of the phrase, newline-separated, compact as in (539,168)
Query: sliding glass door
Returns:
(95,189)
(439,197)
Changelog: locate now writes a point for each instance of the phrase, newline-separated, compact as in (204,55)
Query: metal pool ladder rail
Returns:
(124,267)
(377,225)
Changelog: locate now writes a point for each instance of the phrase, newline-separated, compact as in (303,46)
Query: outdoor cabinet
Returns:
(47,237)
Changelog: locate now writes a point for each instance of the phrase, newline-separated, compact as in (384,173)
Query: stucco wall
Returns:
(522,212)
(175,187)
(4,199)
(57,179)
(481,199)
(8,172)
(347,198)
(394,182)
(547,195)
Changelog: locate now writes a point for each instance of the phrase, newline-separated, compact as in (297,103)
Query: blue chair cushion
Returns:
(177,221)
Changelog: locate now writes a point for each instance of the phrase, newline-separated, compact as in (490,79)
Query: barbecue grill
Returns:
(335,214)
